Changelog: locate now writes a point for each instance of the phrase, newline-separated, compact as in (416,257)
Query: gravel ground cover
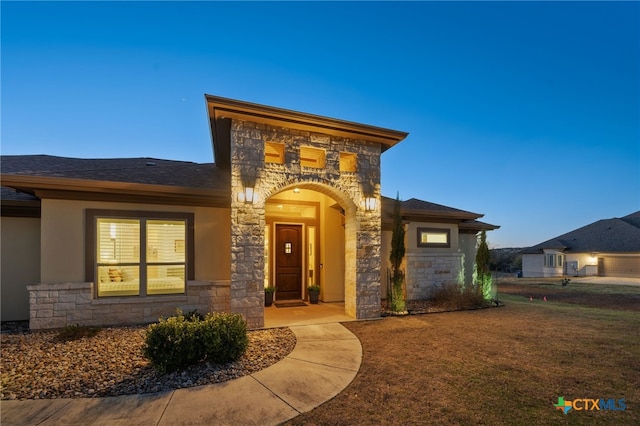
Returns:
(38,365)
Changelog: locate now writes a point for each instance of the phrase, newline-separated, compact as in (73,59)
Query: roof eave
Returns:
(219,107)
(440,214)
(64,188)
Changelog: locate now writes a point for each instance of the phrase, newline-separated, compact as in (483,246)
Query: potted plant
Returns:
(268,295)
(314,292)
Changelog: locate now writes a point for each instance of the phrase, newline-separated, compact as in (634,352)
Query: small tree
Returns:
(483,271)
(397,254)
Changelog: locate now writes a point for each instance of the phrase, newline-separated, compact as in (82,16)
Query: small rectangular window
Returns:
(348,162)
(434,237)
(312,157)
(274,153)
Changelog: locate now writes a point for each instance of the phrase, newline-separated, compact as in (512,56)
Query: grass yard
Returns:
(494,366)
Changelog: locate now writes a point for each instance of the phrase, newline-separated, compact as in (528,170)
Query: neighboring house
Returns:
(292,200)
(608,248)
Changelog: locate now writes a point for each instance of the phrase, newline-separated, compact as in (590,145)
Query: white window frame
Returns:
(553,260)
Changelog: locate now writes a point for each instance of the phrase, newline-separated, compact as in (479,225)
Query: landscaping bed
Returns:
(40,365)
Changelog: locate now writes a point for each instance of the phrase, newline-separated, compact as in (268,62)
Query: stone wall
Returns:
(428,272)
(349,189)
(60,305)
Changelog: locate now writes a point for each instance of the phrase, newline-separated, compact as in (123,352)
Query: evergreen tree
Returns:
(483,271)
(397,254)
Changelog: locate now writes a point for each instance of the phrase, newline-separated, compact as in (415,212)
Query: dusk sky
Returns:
(526,112)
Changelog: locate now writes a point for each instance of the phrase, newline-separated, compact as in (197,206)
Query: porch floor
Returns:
(322,313)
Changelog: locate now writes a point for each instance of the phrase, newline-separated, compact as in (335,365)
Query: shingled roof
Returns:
(134,170)
(415,209)
(616,235)
(144,180)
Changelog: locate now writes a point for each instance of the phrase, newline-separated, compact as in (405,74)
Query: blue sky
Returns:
(526,112)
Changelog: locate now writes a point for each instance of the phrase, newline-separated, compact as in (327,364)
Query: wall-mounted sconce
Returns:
(247,194)
(370,203)
(248,180)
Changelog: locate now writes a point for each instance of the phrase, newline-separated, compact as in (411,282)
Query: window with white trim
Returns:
(553,260)
(145,255)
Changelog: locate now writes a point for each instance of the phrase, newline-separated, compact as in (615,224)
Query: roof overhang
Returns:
(474,226)
(20,208)
(221,110)
(46,187)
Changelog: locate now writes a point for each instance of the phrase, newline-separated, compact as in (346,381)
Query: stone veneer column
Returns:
(362,228)
(368,264)
(247,227)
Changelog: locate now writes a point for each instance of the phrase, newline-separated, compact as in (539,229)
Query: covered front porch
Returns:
(322,313)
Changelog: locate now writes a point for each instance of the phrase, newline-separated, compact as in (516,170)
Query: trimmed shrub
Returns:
(172,344)
(224,337)
(181,341)
(194,315)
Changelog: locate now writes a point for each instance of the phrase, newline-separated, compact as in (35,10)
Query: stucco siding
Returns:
(63,225)
(467,247)
(532,265)
(20,248)
(332,271)
(412,237)
(585,264)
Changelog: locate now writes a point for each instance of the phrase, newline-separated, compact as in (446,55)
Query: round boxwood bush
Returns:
(181,341)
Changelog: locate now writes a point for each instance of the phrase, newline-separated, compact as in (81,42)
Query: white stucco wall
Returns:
(587,264)
(532,265)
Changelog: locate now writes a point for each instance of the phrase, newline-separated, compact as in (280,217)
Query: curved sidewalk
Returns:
(324,361)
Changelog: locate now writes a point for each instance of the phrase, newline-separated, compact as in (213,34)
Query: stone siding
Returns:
(425,273)
(60,305)
(362,228)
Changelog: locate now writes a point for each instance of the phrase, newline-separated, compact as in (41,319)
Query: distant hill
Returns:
(506,259)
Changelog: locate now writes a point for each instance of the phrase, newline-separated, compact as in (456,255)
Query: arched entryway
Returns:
(309,229)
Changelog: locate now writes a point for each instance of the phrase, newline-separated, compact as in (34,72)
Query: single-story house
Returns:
(607,248)
(293,199)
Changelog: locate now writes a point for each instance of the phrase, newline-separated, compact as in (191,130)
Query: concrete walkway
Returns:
(325,360)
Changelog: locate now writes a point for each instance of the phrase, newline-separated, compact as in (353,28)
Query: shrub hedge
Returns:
(181,341)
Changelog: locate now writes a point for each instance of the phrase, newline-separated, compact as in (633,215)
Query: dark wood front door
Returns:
(288,262)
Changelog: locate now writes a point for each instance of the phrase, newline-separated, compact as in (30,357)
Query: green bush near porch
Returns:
(181,341)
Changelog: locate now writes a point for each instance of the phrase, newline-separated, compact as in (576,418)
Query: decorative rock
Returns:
(37,365)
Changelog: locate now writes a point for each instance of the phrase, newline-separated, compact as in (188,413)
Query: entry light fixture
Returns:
(246,195)
(370,203)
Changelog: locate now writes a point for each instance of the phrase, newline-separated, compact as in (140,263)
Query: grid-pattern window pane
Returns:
(118,250)
(140,256)
(166,256)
